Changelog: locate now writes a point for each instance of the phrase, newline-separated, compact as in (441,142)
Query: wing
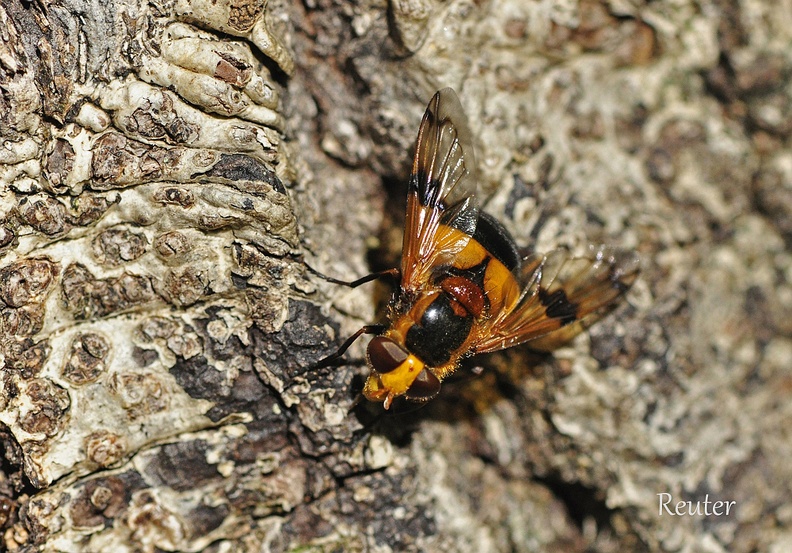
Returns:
(561,296)
(441,211)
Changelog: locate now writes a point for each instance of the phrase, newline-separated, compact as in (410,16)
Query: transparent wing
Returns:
(441,191)
(561,296)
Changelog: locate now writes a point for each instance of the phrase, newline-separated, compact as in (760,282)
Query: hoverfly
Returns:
(465,289)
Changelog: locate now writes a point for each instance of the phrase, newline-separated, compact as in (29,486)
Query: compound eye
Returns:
(385,355)
(424,387)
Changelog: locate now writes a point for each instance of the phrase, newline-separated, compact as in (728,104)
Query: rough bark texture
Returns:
(167,168)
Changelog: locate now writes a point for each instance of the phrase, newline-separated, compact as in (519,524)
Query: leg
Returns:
(394,273)
(333,357)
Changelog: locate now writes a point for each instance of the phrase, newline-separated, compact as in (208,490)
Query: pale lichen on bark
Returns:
(147,231)
(158,330)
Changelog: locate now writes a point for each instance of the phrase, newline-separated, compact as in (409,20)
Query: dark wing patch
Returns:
(444,167)
(558,306)
(561,296)
(441,191)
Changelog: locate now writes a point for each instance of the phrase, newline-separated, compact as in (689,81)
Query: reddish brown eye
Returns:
(384,354)
(424,387)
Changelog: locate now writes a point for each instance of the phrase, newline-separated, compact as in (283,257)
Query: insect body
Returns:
(465,289)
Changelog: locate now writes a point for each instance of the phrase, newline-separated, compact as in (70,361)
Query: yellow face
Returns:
(385,387)
(396,372)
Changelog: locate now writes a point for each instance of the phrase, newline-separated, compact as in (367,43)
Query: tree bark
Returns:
(168,169)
